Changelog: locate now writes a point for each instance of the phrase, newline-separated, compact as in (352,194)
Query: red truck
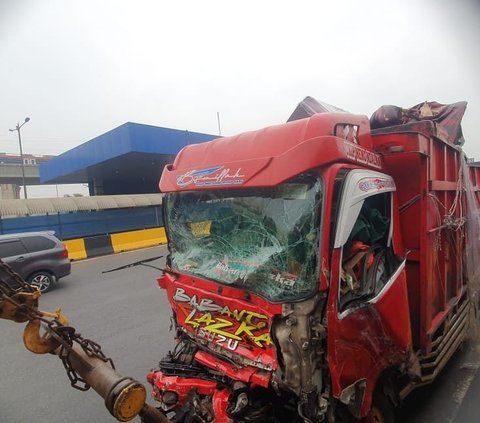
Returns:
(318,270)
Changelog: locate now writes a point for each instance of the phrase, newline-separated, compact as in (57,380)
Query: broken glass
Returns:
(264,240)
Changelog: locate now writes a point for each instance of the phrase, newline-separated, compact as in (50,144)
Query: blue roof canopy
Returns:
(131,155)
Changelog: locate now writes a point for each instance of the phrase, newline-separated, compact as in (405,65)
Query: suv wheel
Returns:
(42,280)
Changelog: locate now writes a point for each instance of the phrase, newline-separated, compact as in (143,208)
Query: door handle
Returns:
(20,259)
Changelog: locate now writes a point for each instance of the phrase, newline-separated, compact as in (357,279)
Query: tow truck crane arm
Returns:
(86,364)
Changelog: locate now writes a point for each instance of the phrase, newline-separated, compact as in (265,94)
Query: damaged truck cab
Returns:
(311,273)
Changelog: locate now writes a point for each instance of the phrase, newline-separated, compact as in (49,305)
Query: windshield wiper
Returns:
(137,263)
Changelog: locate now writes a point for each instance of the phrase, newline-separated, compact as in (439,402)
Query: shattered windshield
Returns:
(264,240)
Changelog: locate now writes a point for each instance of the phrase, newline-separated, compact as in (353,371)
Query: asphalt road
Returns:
(124,311)
(129,316)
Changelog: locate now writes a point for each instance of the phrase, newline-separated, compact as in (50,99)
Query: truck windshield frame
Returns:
(263,240)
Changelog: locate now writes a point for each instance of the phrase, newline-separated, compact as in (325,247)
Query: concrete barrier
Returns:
(82,248)
(133,240)
(76,249)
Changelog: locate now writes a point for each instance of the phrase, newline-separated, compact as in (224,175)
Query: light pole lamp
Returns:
(17,128)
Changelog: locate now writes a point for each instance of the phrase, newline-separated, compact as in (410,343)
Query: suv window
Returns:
(37,243)
(11,248)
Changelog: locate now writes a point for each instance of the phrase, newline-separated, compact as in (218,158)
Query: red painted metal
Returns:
(264,158)
(183,386)
(426,193)
(222,319)
(220,405)
(247,374)
(363,342)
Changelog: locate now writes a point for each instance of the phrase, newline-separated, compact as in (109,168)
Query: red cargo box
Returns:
(433,209)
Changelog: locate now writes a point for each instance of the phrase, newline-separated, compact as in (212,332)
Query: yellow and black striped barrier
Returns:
(82,248)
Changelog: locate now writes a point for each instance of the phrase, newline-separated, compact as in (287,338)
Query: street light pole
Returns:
(17,128)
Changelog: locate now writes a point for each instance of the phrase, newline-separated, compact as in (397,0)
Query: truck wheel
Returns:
(381,411)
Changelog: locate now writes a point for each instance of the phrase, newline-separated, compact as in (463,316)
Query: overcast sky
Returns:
(81,68)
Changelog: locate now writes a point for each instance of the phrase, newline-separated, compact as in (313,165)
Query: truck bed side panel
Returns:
(426,171)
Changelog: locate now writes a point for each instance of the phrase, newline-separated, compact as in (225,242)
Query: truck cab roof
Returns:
(272,155)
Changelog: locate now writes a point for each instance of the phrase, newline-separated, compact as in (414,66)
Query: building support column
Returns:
(9,191)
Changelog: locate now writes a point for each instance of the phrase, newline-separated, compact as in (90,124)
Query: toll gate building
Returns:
(126,160)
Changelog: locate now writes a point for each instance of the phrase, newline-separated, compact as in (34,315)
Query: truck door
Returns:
(368,314)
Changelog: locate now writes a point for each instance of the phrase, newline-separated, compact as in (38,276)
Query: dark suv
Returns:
(39,257)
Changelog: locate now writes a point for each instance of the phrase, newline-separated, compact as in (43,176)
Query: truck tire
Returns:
(381,411)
